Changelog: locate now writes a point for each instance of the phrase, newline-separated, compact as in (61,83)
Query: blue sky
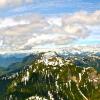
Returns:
(48,23)
(50,7)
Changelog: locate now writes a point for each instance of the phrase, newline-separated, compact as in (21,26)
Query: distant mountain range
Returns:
(53,76)
(7,59)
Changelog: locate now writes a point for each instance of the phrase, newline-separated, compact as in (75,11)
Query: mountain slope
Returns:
(51,78)
(2,71)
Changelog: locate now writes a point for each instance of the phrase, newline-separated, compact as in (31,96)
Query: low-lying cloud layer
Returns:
(27,32)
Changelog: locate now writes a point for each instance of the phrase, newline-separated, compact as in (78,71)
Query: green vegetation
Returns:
(63,81)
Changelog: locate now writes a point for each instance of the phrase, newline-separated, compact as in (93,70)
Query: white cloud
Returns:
(4,3)
(83,18)
(1,43)
(13,3)
(55,21)
(44,39)
(9,22)
(27,32)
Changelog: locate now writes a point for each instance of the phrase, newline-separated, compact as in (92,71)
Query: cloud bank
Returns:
(33,30)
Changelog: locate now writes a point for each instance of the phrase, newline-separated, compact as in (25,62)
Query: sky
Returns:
(30,24)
